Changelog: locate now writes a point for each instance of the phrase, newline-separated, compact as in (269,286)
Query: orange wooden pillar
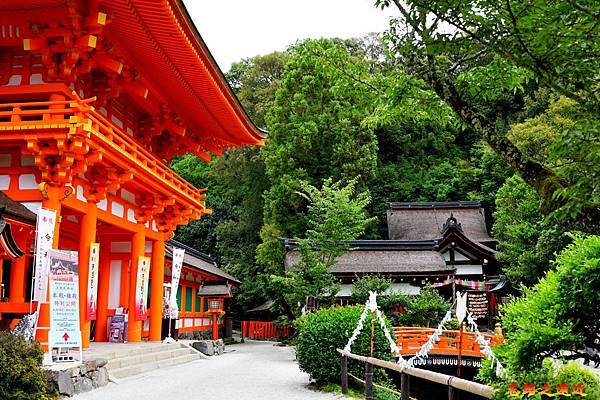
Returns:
(51,202)
(156,290)
(18,274)
(215,327)
(100,334)
(138,244)
(87,236)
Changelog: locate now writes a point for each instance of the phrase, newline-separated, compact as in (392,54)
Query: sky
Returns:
(236,29)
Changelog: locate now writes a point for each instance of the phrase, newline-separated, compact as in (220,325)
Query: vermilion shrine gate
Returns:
(96,97)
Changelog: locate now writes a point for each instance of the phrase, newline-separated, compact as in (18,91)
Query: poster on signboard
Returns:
(46,221)
(63,272)
(92,287)
(141,288)
(117,329)
(178,255)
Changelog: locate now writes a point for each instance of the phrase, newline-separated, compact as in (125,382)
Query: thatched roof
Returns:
(386,262)
(419,221)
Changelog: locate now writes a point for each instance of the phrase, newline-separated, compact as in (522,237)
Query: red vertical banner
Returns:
(141,288)
(92,290)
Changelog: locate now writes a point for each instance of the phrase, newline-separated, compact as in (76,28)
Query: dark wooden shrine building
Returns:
(444,244)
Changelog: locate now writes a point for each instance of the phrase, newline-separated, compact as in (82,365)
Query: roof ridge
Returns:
(434,204)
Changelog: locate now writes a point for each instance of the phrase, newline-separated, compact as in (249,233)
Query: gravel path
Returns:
(253,370)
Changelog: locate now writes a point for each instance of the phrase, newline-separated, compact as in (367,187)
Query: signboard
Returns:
(477,304)
(92,287)
(46,221)
(178,255)
(117,330)
(64,299)
(141,288)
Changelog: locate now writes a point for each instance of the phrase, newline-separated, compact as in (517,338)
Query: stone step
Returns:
(142,358)
(124,372)
(132,351)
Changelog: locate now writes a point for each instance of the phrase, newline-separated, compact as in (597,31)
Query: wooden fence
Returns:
(452,383)
(264,330)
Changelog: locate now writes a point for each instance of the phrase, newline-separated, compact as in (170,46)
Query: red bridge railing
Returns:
(410,340)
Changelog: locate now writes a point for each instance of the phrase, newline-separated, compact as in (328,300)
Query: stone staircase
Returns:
(129,360)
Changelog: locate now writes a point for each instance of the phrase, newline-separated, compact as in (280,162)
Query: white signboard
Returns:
(64,299)
(46,221)
(178,255)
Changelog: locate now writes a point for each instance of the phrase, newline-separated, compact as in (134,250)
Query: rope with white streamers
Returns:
(371,305)
(482,341)
(485,347)
(427,346)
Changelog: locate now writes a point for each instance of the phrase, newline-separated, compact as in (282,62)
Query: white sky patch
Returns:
(236,29)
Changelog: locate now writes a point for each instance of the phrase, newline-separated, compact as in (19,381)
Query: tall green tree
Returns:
(315,133)
(485,58)
(336,215)
(527,239)
(255,81)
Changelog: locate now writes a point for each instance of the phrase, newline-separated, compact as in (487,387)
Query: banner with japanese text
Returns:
(92,287)
(46,221)
(63,271)
(141,288)
(178,255)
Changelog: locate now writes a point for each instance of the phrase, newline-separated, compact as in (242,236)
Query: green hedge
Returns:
(21,376)
(321,333)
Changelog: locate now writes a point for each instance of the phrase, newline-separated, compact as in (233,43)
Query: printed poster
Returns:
(141,288)
(178,255)
(46,221)
(92,288)
(64,299)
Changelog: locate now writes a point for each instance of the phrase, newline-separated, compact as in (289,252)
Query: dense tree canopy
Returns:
(452,103)
(487,60)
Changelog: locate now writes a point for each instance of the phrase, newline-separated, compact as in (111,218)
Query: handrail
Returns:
(436,377)
(411,339)
(50,112)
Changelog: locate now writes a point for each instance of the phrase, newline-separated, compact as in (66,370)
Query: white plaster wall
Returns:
(114,289)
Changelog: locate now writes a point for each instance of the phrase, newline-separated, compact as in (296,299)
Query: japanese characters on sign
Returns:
(141,288)
(545,390)
(178,255)
(92,288)
(477,303)
(64,299)
(46,222)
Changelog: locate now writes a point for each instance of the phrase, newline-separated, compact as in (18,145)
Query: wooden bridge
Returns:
(410,340)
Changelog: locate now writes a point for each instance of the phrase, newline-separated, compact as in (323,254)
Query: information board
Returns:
(64,299)
(477,304)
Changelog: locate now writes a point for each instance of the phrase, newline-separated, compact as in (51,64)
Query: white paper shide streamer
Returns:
(372,307)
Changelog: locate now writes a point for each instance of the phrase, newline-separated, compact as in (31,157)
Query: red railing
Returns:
(410,340)
(264,330)
(45,115)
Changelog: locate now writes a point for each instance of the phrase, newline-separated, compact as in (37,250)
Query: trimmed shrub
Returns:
(321,333)
(21,376)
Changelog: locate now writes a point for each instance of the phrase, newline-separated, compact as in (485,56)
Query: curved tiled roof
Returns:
(196,259)
(15,210)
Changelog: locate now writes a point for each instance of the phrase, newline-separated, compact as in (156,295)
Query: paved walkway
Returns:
(253,370)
